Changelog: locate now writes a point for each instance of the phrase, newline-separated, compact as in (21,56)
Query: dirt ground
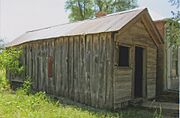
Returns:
(169,96)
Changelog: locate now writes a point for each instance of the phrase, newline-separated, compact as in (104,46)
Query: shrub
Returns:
(9,59)
(27,86)
(4,84)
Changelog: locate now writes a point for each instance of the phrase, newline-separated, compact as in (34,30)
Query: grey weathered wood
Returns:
(87,65)
(137,35)
(76,90)
(82,68)
(56,67)
(65,42)
(71,68)
(35,66)
(109,70)
(102,71)
(92,71)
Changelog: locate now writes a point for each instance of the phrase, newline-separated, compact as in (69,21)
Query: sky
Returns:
(19,16)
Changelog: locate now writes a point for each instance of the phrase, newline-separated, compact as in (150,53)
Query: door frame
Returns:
(144,78)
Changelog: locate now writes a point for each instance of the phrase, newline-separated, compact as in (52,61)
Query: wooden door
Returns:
(138,84)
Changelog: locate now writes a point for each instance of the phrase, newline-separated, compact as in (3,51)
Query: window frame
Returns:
(129,58)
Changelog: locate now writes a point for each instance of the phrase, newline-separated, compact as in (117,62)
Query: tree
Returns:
(111,6)
(80,9)
(173,26)
(173,32)
(84,9)
(175,3)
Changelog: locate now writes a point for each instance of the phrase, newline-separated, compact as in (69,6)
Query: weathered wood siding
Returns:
(123,85)
(160,69)
(136,35)
(82,68)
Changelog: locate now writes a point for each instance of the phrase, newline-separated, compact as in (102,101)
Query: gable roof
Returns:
(108,23)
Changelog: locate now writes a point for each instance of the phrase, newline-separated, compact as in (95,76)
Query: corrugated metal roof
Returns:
(109,23)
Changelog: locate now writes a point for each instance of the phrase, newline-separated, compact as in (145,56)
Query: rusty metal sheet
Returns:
(109,23)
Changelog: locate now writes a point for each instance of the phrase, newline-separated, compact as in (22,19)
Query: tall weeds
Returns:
(4,84)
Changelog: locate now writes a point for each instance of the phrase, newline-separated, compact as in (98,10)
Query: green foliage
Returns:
(173,32)
(173,26)
(24,104)
(19,105)
(111,6)
(9,59)
(80,9)
(85,9)
(4,84)
(26,89)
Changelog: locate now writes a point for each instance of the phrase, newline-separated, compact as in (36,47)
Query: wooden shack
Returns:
(104,62)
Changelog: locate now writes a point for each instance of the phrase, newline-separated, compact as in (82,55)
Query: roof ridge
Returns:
(108,15)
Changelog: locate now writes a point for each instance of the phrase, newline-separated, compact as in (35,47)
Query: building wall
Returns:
(169,81)
(136,35)
(81,68)
(173,69)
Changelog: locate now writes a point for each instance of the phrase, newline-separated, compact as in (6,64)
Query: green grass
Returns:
(20,105)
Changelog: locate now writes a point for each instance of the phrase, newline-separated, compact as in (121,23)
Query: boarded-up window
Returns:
(123,56)
(50,65)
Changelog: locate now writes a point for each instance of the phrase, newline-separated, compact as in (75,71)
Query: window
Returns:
(123,56)
(50,63)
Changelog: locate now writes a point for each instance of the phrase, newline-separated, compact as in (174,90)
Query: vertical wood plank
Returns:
(66,66)
(102,83)
(35,67)
(46,67)
(109,71)
(93,70)
(53,55)
(61,65)
(70,69)
(82,68)
(55,67)
(43,66)
(75,69)
(96,68)
(87,63)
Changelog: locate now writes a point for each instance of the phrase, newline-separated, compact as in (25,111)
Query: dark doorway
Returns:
(138,89)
